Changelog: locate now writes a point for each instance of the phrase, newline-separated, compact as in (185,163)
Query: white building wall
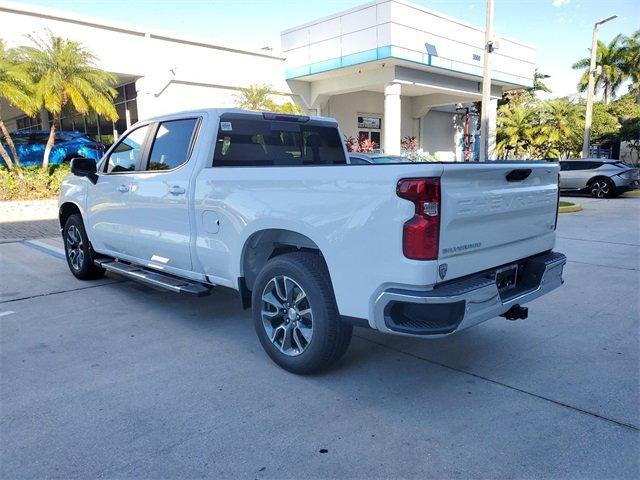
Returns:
(346,107)
(201,74)
(400,29)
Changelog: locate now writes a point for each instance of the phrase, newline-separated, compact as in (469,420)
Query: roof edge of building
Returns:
(87,20)
(409,4)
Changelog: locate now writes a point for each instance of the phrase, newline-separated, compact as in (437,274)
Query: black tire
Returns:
(78,251)
(330,337)
(602,187)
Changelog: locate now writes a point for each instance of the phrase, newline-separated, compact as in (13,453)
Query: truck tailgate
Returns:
(491,216)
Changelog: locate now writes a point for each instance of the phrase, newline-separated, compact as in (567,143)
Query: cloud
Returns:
(559,3)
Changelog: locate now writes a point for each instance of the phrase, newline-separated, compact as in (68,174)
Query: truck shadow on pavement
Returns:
(221,319)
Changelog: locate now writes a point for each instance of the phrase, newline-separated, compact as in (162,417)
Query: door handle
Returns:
(123,188)
(176,190)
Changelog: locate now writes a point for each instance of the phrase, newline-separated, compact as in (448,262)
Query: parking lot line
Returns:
(8,312)
(45,248)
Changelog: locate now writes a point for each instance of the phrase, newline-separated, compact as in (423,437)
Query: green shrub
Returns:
(35,183)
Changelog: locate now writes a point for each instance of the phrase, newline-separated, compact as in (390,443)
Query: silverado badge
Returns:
(442,270)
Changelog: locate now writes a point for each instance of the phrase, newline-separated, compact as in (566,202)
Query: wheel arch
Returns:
(599,177)
(263,245)
(66,210)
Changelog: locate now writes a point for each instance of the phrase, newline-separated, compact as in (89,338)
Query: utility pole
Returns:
(486,84)
(591,87)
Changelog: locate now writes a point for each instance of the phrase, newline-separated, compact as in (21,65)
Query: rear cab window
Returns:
(251,140)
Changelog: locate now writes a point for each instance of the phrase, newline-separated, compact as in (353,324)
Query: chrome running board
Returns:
(154,278)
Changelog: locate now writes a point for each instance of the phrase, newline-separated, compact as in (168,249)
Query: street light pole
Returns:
(591,87)
(486,84)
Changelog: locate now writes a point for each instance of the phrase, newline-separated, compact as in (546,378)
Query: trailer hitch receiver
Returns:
(516,313)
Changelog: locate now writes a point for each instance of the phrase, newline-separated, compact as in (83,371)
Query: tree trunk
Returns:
(605,95)
(50,142)
(16,159)
(7,159)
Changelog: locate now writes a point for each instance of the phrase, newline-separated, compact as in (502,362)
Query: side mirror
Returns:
(84,167)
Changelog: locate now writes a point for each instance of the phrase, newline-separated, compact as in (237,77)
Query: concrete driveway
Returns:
(110,379)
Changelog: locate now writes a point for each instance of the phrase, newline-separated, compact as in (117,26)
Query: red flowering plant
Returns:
(363,144)
(352,143)
(409,147)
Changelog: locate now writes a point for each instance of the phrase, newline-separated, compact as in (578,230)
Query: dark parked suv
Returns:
(600,177)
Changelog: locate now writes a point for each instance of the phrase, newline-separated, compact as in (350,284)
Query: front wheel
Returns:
(77,249)
(295,314)
(602,188)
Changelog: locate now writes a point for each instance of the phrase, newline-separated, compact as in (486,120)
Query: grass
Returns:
(566,204)
(35,185)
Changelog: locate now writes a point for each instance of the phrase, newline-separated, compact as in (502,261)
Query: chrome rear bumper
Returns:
(462,303)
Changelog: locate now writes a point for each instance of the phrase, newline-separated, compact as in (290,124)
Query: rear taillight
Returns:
(421,233)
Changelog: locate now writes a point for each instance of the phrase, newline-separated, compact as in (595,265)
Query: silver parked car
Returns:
(358,158)
(600,177)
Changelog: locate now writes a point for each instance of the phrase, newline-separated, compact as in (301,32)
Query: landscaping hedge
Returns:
(35,184)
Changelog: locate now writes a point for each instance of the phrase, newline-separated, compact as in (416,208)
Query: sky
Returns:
(559,29)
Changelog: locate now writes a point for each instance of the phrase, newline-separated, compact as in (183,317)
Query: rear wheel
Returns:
(80,255)
(295,314)
(602,188)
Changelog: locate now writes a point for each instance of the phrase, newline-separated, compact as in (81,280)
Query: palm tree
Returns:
(561,124)
(517,127)
(256,97)
(610,60)
(65,75)
(631,66)
(15,89)
(538,84)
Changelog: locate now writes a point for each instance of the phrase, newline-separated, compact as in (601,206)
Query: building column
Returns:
(392,118)
(491,139)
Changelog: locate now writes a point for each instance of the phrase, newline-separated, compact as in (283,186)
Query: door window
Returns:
(125,156)
(172,144)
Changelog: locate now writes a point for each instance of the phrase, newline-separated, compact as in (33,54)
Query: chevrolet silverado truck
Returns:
(268,205)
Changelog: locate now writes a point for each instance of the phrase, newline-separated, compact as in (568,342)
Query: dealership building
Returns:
(385,70)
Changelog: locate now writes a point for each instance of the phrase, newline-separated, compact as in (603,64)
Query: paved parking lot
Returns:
(110,379)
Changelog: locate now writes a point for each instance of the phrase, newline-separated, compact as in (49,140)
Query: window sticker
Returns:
(226,126)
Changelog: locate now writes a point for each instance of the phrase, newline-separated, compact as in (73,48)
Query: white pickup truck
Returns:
(268,205)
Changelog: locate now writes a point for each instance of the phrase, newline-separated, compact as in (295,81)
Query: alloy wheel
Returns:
(75,250)
(600,189)
(286,315)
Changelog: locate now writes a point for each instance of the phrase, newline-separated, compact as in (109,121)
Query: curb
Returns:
(632,193)
(576,207)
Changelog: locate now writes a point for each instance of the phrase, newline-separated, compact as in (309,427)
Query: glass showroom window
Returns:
(100,128)
(369,128)
(27,124)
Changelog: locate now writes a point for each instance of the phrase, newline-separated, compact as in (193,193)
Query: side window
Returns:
(564,166)
(172,144)
(124,158)
(39,139)
(573,165)
(19,140)
(62,138)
